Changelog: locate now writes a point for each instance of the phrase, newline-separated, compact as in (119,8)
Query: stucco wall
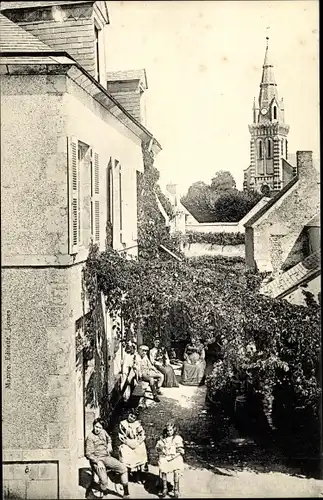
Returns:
(90,123)
(34,214)
(41,410)
(216,227)
(33,166)
(38,345)
(200,249)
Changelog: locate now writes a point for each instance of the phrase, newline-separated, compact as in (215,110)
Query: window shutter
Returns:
(96,197)
(74,195)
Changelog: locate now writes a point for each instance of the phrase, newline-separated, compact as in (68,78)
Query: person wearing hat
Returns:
(147,372)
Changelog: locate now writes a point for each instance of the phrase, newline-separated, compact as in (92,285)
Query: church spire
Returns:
(268,86)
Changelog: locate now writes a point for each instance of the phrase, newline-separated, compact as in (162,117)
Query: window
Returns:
(286,148)
(76,157)
(109,204)
(269,148)
(275,113)
(282,147)
(95,197)
(120,201)
(97,53)
(260,150)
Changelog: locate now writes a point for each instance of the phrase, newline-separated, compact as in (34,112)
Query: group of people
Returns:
(133,454)
(155,366)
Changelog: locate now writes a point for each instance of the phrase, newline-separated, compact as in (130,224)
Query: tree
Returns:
(232,205)
(198,201)
(223,181)
(220,201)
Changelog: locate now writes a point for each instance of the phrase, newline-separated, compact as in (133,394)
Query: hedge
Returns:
(215,238)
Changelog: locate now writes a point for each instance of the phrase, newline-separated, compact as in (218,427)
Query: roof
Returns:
(294,277)
(130,74)
(272,202)
(19,47)
(12,5)
(8,4)
(16,39)
(261,203)
(314,221)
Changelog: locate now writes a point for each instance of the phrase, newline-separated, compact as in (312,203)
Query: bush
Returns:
(215,238)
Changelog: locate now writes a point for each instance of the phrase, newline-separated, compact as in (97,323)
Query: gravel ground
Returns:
(219,462)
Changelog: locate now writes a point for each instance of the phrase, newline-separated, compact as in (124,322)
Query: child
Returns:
(170,449)
(133,451)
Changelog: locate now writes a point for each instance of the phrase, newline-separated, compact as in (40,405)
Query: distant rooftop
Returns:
(131,74)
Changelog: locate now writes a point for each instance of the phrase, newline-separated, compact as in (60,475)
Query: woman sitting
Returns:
(133,452)
(194,363)
(160,360)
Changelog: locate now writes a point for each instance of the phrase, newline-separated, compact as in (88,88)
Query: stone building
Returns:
(269,169)
(283,237)
(69,160)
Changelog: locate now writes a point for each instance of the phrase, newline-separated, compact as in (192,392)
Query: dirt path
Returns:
(224,465)
(219,463)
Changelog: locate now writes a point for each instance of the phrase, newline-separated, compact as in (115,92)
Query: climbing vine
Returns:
(152,229)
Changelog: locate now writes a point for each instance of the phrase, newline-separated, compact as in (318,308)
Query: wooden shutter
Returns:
(95,202)
(74,195)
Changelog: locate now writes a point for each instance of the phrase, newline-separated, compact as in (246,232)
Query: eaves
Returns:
(86,81)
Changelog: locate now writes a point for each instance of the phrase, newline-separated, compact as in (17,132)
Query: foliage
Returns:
(215,238)
(223,181)
(220,201)
(233,205)
(152,230)
(273,344)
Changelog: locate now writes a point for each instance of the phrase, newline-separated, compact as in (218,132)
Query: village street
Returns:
(219,462)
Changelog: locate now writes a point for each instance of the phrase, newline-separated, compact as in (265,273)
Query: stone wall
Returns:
(288,215)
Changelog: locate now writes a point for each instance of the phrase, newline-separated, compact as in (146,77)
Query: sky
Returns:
(203,61)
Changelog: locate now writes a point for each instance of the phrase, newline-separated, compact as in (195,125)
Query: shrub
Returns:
(215,238)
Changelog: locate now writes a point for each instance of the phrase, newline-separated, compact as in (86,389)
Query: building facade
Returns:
(269,168)
(283,237)
(69,160)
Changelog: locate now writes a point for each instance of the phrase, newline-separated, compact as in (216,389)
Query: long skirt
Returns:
(170,379)
(133,458)
(193,374)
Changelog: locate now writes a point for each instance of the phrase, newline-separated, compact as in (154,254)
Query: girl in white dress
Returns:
(170,449)
(133,452)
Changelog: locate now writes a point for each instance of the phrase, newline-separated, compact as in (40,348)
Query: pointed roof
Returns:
(271,202)
(268,86)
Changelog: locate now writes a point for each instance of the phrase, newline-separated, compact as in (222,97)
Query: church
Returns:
(269,169)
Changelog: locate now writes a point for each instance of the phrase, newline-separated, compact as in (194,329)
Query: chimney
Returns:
(304,162)
(77,28)
(128,88)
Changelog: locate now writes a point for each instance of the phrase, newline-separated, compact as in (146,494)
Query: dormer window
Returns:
(97,53)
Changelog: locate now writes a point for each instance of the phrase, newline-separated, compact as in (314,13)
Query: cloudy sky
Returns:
(204,61)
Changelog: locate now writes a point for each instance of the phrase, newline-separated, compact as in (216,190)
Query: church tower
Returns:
(268,144)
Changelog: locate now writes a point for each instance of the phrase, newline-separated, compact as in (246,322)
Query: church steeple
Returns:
(268,145)
(268,85)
